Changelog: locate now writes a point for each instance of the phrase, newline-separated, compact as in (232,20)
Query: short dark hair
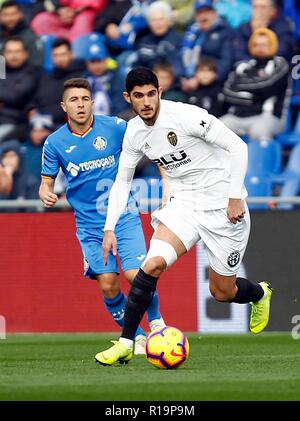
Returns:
(10,3)
(77,82)
(61,41)
(15,38)
(140,76)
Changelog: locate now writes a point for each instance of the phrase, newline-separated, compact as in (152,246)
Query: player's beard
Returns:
(152,118)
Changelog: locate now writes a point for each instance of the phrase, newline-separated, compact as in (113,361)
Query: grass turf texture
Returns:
(231,367)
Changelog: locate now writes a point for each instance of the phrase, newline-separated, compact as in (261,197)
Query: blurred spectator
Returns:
(108,20)
(31,7)
(48,95)
(236,12)
(182,13)
(16,90)
(16,183)
(208,95)
(123,36)
(12,23)
(291,9)
(163,43)
(68,18)
(168,82)
(105,80)
(266,14)
(41,127)
(257,89)
(209,36)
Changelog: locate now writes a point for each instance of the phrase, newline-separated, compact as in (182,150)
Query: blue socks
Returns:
(116,307)
(153,309)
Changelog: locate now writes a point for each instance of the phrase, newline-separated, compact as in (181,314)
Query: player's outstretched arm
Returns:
(47,196)
(238,156)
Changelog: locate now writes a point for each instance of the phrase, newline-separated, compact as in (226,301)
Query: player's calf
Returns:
(222,294)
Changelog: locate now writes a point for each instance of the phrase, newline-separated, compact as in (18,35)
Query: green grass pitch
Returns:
(220,367)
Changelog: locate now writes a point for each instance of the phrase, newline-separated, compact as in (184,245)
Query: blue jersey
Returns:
(90,163)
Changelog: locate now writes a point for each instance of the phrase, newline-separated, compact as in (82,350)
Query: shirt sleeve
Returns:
(199,123)
(238,159)
(50,161)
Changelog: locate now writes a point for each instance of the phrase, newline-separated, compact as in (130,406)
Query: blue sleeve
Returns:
(225,61)
(138,22)
(50,161)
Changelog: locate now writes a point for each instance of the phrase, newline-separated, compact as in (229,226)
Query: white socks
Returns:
(127,342)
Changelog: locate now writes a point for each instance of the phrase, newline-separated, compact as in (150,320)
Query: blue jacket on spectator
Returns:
(282,28)
(136,17)
(215,43)
(154,49)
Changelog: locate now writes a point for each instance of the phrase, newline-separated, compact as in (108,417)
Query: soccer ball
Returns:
(167,347)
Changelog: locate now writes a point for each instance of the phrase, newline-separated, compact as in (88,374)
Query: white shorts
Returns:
(226,242)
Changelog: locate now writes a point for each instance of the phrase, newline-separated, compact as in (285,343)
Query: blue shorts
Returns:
(131,247)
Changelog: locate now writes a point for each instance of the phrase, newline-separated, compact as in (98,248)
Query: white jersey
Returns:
(182,141)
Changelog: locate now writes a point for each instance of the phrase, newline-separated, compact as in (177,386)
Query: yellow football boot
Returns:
(260,312)
(119,352)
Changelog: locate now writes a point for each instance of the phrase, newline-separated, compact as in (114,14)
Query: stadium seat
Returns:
(291,138)
(258,185)
(264,157)
(47,41)
(289,179)
(82,44)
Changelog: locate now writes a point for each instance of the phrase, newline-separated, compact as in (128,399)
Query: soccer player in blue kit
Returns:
(87,149)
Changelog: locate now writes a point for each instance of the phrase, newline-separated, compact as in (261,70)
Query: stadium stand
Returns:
(264,157)
(258,186)
(264,160)
(291,135)
(289,179)
(276,159)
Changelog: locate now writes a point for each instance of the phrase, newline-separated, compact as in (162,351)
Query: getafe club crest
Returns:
(172,138)
(100,143)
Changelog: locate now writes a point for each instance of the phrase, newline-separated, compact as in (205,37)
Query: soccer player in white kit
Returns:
(205,165)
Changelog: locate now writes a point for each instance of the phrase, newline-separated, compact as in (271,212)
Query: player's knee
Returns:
(109,284)
(155,266)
